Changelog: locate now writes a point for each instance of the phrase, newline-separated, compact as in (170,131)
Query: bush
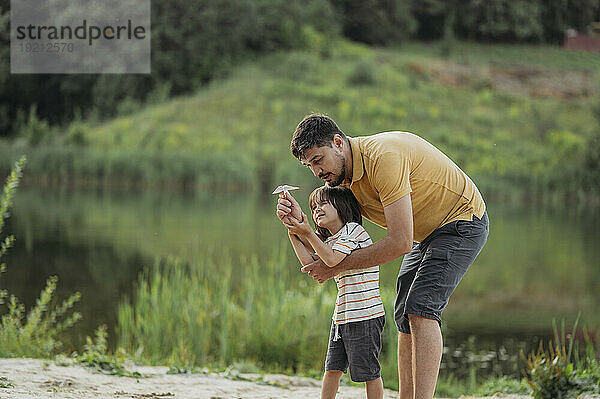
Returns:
(36,334)
(378,22)
(362,74)
(552,373)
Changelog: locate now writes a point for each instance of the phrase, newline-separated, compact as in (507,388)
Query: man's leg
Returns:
(331,383)
(447,254)
(374,388)
(405,366)
(426,355)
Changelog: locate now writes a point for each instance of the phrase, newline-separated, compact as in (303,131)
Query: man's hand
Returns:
(319,271)
(286,206)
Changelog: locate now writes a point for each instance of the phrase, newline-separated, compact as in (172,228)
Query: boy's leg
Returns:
(331,383)
(364,338)
(405,366)
(374,388)
(427,355)
(336,361)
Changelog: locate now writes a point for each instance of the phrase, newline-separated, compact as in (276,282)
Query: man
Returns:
(432,212)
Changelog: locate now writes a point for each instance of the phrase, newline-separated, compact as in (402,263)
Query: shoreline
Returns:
(34,378)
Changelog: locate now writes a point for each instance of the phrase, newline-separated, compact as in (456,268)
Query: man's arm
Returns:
(399,241)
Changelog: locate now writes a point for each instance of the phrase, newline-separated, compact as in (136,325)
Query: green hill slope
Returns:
(524,117)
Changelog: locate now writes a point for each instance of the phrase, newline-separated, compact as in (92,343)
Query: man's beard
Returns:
(342,175)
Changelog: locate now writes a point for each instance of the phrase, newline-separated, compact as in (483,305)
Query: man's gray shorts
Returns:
(433,268)
(358,347)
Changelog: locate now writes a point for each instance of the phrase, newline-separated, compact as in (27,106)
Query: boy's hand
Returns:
(299,227)
(286,206)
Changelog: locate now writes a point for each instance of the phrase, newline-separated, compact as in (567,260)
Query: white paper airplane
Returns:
(284,189)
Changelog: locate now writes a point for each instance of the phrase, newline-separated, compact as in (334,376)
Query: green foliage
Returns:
(503,385)
(591,158)
(553,372)
(362,74)
(33,334)
(192,43)
(6,383)
(97,357)
(70,164)
(12,182)
(33,129)
(451,387)
(503,20)
(76,134)
(376,22)
(195,42)
(507,141)
(220,319)
(37,335)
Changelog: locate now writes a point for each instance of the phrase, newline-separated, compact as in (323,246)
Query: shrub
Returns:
(36,334)
(552,372)
(362,74)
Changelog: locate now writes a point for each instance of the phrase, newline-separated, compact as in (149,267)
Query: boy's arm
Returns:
(302,229)
(300,248)
(330,256)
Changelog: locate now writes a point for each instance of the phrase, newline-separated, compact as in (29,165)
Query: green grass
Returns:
(543,56)
(236,131)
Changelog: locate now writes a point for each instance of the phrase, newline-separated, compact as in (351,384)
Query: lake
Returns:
(538,265)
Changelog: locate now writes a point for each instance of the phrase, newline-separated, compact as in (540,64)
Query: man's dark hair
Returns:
(314,131)
(344,202)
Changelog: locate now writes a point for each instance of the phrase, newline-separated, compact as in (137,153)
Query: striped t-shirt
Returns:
(358,290)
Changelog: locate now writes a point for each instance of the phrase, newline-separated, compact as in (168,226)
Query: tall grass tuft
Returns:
(190,315)
(32,334)
(557,372)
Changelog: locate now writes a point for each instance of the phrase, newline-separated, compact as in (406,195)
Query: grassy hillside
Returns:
(512,116)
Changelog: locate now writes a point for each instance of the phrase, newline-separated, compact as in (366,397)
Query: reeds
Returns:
(188,315)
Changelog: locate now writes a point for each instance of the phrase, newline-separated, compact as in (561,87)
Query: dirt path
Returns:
(33,378)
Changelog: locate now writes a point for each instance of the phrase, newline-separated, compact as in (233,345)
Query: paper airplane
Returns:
(284,189)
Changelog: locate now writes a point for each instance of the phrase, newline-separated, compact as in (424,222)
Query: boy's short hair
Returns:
(315,130)
(344,202)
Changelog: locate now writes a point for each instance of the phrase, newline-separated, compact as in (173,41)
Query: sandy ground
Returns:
(34,378)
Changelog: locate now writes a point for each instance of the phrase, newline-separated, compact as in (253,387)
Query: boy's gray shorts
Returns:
(433,268)
(358,347)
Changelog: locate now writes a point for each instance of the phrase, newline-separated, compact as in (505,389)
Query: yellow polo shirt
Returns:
(387,166)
